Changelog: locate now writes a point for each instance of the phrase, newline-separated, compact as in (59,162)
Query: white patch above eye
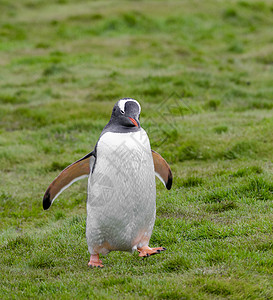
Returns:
(122,102)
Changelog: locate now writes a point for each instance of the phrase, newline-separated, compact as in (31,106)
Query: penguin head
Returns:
(126,113)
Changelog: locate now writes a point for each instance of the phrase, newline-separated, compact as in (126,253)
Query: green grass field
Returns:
(202,71)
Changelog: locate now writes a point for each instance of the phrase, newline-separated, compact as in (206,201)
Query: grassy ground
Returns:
(202,71)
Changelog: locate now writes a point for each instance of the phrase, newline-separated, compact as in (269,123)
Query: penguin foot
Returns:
(95,261)
(147,251)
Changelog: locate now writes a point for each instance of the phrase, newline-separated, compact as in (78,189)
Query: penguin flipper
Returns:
(74,172)
(162,170)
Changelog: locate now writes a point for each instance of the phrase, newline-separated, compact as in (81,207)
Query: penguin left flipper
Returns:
(162,170)
(74,172)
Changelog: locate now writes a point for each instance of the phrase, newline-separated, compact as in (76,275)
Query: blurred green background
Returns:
(202,72)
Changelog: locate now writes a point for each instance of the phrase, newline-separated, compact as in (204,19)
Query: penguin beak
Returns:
(134,121)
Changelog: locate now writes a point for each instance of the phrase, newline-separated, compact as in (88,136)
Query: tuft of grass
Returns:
(12,99)
(258,188)
(59,215)
(221,206)
(220,129)
(189,152)
(176,263)
(217,288)
(189,182)
(213,104)
(261,105)
(18,243)
(41,261)
(54,69)
(242,148)
(247,171)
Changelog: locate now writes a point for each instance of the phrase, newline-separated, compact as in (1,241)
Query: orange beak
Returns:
(133,121)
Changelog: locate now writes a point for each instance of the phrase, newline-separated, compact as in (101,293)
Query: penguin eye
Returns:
(122,111)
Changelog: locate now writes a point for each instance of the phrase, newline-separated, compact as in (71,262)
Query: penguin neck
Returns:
(114,126)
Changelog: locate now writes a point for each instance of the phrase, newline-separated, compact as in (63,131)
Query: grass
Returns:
(202,72)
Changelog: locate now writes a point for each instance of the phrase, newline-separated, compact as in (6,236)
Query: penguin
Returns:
(121,192)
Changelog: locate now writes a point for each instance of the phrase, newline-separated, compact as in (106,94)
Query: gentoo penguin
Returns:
(121,198)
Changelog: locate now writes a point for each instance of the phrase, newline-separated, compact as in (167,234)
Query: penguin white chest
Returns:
(121,193)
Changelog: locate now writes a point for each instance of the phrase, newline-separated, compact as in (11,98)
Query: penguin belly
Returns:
(121,200)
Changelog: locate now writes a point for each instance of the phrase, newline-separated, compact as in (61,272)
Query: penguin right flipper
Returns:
(162,170)
(76,171)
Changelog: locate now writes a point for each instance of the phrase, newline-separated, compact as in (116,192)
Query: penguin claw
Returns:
(147,251)
(95,261)
(96,265)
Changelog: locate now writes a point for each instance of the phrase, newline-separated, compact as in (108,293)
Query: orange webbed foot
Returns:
(147,251)
(95,261)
